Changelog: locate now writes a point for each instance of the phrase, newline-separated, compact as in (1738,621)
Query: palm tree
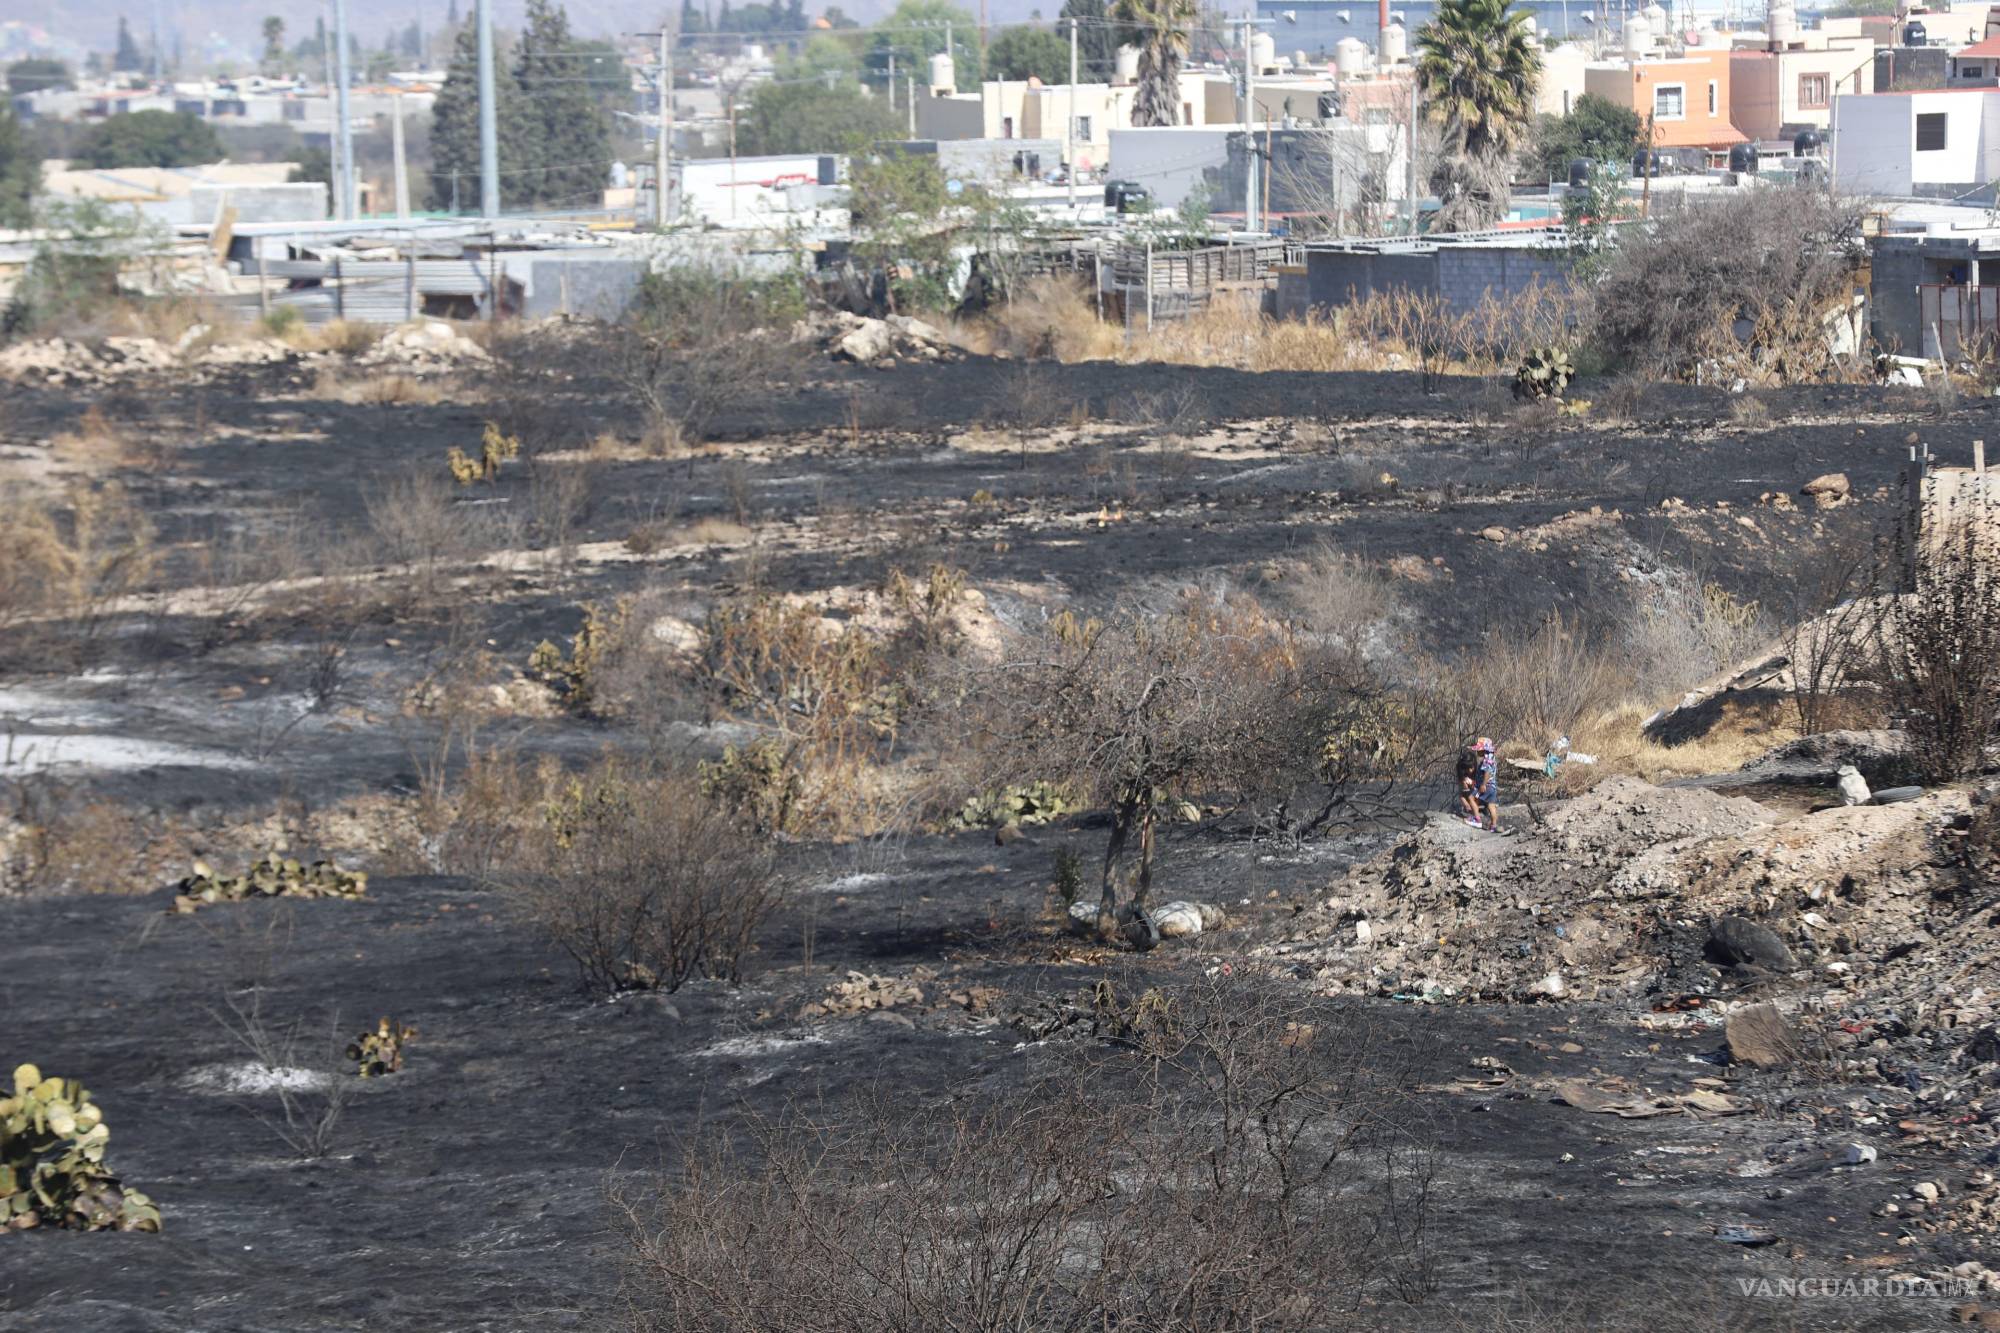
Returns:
(1477,66)
(1163,30)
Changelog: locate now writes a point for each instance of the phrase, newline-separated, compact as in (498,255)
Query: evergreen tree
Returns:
(455,132)
(1097,39)
(273,59)
(128,58)
(572,137)
(20,172)
(693,19)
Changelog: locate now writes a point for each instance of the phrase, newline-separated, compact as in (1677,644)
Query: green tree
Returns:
(1477,66)
(1163,30)
(455,131)
(150,139)
(1024,53)
(572,137)
(1596,130)
(273,60)
(20,172)
(824,56)
(836,18)
(812,118)
(128,58)
(34,75)
(603,71)
(1853,9)
(898,202)
(1097,39)
(915,31)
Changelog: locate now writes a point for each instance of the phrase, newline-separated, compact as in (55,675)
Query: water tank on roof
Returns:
(1395,44)
(1263,50)
(1781,26)
(1579,173)
(1128,64)
(1914,34)
(943,79)
(1349,55)
(1638,37)
(1743,159)
(1649,162)
(1656,16)
(1808,143)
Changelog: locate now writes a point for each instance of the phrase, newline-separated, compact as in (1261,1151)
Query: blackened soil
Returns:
(470,1190)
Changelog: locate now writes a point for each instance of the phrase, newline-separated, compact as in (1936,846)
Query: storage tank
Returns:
(1349,56)
(1656,17)
(1782,26)
(942,78)
(1638,36)
(1128,64)
(1713,38)
(1743,159)
(1395,44)
(1914,34)
(1807,143)
(1263,51)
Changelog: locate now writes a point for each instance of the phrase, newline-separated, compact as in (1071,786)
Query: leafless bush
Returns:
(1052,317)
(1742,286)
(1684,630)
(419,524)
(304,1072)
(1543,684)
(559,501)
(1236,1157)
(1942,641)
(1834,643)
(643,882)
(1339,599)
(65,840)
(1143,713)
(72,561)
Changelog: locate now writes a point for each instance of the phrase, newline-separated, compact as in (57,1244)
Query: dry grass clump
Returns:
(1743,730)
(72,559)
(349,337)
(1217,1153)
(57,840)
(1052,318)
(381,389)
(97,443)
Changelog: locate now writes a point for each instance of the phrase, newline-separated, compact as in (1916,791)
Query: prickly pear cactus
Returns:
(464,469)
(52,1170)
(1546,372)
(270,876)
(381,1051)
(1031,803)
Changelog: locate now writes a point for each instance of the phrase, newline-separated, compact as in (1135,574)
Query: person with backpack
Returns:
(1486,785)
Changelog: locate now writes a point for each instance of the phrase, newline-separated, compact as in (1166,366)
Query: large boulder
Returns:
(1737,941)
(1828,489)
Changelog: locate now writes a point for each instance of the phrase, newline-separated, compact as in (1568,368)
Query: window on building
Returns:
(1972,71)
(1006,127)
(1930,133)
(1812,92)
(1670,102)
(1714,97)
(1083,127)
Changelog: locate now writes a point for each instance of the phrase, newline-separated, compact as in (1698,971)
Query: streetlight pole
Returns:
(489,121)
(1249,132)
(1070,146)
(343,128)
(663,153)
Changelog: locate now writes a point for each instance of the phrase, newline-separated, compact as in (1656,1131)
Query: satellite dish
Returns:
(954,188)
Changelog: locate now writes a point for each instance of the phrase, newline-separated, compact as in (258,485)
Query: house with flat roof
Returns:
(1938,143)
(1686,95)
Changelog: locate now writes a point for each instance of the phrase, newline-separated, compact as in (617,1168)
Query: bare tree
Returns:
(1941,640)
(1141,714)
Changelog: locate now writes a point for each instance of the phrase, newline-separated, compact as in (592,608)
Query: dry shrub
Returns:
(1749,412)
(1623,400)
(1734,287)
(1143,713)
(1052,317)
(72,561)
(97,442)
(1685,630)
(1941,643)
(63,840)
(349,337)
(642,882)
(421,529)
(1234,1156)
(1744,728)
(1339,600)
(1543,684)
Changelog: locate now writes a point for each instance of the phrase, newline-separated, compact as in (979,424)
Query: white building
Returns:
(1934,142)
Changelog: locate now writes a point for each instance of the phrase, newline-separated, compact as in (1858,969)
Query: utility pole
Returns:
(910,88)
(343,127)
(489,118)
(1410,204)
(396,149)
(892,78)
(1070,147)
(1249,129)
(663,155)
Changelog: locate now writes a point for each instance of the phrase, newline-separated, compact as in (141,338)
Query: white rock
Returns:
(1185,918)
(1858,1154)
(867,344)
(1853,787)
(1363,932)
(1925,1190)
(1550,985)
